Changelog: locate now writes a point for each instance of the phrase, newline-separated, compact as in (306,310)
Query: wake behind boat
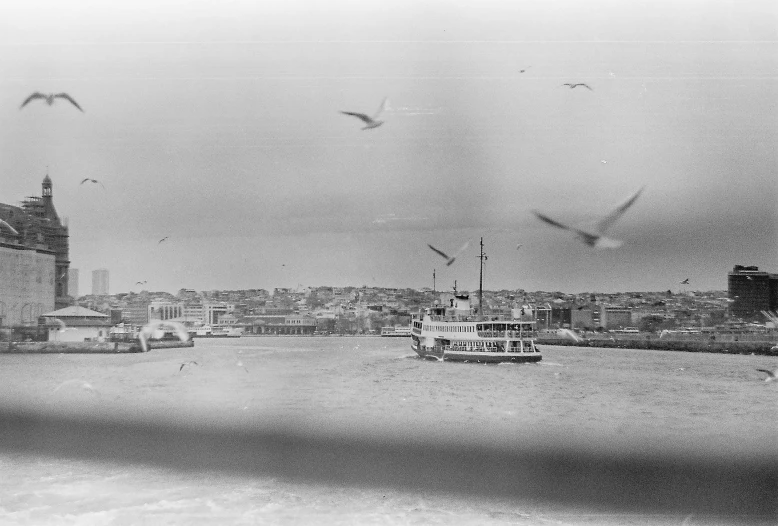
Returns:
(458,333)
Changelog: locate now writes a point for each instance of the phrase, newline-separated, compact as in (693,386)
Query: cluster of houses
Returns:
(366,310)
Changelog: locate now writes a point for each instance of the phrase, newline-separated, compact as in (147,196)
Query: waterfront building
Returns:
(33,259)
(81,325)
(581,318)
(615,317)
(100,282)
(136,313)
(165,310)
(73,283)
(751,291)
(213,311)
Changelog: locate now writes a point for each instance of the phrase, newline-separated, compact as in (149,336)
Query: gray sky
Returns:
(217,124)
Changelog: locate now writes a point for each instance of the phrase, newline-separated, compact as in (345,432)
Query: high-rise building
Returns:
(100,282)
(73,282)
(751,291)
(33,259)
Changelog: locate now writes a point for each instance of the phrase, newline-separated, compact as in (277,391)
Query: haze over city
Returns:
(218,127)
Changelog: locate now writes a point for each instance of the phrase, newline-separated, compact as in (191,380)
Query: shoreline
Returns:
(87,347)
(763,348)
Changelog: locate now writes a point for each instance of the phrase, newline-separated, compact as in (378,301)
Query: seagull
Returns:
(685,282)
(578,84)
(9,227)
(450,258)
(163,239)
(85,179)
(596,239)
(185,364)
(519,246)
(140,282)
(86,386)
(153,326)
(50,99)
(371,122)
(771,375)
(525,69)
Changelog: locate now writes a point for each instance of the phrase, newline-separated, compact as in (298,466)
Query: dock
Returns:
(87,347)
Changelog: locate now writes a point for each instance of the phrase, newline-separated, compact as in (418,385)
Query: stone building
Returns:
(34,259)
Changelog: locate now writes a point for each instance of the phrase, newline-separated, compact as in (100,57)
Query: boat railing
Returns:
(507,334)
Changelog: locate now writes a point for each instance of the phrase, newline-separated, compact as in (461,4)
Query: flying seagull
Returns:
(519,246)
(185,364)
(371,122)
(153,326)
(89,179)
(685,282)
(596,239)
(86,386)
(771,375)
(163,239)
(9,227)
(525,69)
(140,282)
(50,99)
(449,258)
(578,84)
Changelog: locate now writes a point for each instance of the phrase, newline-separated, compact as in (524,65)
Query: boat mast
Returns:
(433,281)
(482,257)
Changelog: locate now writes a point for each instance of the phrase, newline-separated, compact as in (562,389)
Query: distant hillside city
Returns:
(365,310)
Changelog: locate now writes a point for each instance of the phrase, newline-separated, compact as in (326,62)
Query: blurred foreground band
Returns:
(736,490)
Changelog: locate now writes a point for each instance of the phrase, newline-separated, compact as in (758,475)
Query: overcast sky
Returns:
(217,124)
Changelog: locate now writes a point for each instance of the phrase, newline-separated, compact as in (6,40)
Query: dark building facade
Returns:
(751,291)
(39,228)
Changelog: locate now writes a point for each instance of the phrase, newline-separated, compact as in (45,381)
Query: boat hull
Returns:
(479,357)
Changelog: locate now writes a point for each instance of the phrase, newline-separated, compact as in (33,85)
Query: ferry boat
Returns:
(395,331)
(206,331)
(457,333)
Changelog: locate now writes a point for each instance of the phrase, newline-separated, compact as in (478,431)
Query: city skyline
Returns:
(218,130)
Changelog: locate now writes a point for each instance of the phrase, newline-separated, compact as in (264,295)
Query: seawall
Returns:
(710,346)
(86,347)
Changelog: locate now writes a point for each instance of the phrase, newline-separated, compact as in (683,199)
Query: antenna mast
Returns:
(483,258)
(433,281)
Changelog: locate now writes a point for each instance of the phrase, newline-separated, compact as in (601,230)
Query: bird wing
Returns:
(439,251)
(161,240)
(585,86)
(462,249)
(69,98)
(361,116)
(381,108)
(611,218)
(84,180)
(9,227)
(34,96)
(769,373)
(550,221)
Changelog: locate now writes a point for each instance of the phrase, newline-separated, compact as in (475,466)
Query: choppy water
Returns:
(602,399)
